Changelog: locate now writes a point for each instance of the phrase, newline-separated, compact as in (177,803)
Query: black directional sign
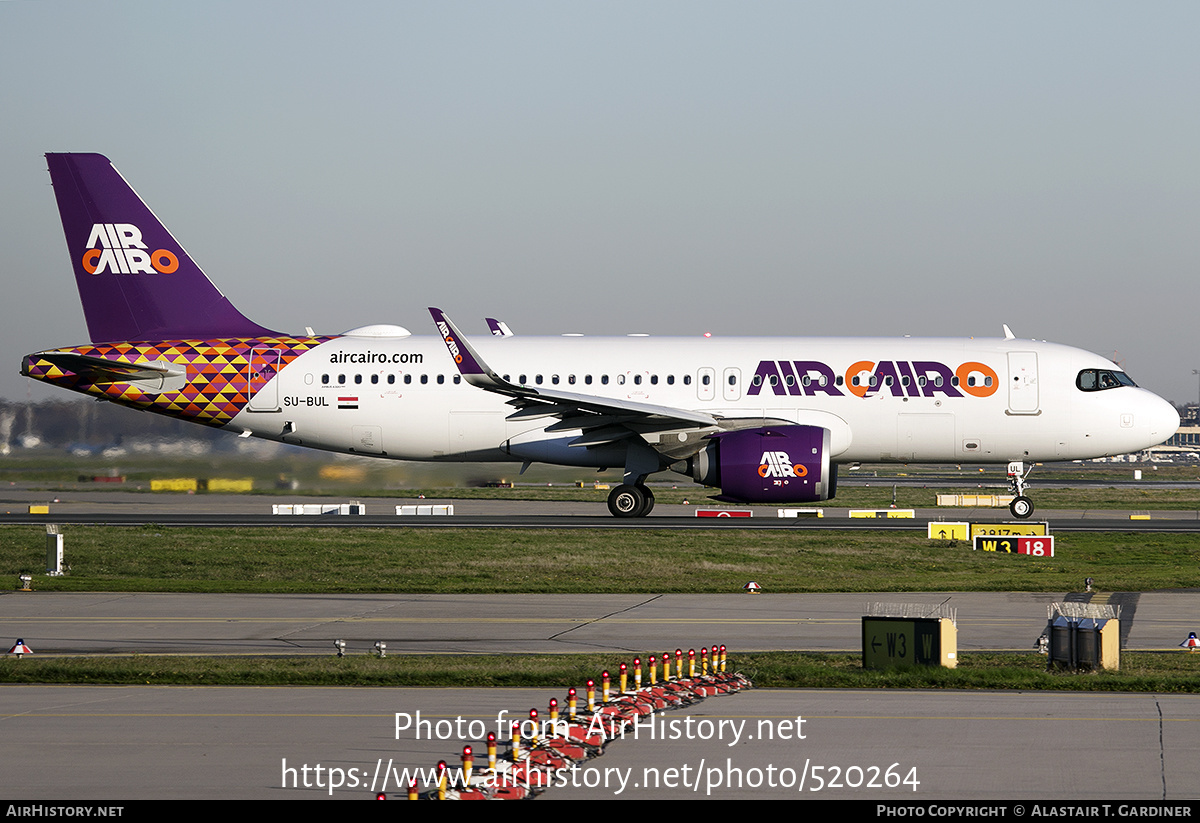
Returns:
(899,641)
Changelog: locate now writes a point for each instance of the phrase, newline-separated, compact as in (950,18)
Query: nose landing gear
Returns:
(1021,506)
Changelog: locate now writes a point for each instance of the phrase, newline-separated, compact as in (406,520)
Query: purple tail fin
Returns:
(136,282)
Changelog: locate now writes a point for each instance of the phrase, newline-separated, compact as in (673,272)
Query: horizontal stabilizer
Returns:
(100,370)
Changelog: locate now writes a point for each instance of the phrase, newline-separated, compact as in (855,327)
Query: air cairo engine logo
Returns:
(778,464)
(117,248)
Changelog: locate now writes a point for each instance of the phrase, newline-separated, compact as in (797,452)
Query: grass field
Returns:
(1141,672)
(472,561)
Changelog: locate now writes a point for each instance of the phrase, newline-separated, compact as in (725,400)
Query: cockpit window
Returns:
(1101,379)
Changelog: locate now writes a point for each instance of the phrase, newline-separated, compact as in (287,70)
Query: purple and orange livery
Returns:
(765,420)
(217,378)
(135,280)
(164,338)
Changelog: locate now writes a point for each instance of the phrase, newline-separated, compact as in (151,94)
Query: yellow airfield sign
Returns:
(942,530)
(1009,529)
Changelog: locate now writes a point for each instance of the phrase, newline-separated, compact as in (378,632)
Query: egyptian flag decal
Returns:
(348,402)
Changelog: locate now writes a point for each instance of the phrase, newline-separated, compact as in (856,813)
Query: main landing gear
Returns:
(630,500)
(1021,506)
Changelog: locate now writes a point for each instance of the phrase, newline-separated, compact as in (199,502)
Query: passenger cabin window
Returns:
(1101,379)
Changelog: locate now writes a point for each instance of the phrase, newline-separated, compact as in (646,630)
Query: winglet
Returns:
(499,327)
(470,364)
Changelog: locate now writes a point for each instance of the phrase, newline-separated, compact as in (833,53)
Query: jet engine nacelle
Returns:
(776,464)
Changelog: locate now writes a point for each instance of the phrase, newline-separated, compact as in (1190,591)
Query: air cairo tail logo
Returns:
(778,464)
(117,248)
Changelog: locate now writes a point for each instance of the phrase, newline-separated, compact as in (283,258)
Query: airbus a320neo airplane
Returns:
(762,419)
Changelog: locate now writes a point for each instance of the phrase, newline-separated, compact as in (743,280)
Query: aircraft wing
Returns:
(102,370)
(602,419)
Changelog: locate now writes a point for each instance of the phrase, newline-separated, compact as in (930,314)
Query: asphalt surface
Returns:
(288,624)
(71,743)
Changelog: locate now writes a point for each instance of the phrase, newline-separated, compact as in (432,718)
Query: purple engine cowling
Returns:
(777,464)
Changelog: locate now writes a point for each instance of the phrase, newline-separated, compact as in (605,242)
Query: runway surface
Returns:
(148,623)
(69,743)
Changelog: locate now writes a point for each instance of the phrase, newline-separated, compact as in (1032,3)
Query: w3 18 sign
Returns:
(1039,546)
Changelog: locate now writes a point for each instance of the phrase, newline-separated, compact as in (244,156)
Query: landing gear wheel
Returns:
(628,501)
(1021,507)
(649,504)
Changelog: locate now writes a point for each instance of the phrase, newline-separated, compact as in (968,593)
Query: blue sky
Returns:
(675,168)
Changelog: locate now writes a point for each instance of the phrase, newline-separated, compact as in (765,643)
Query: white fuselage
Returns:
(933,400)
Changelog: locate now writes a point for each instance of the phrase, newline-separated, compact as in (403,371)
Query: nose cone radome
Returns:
(1162,418)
